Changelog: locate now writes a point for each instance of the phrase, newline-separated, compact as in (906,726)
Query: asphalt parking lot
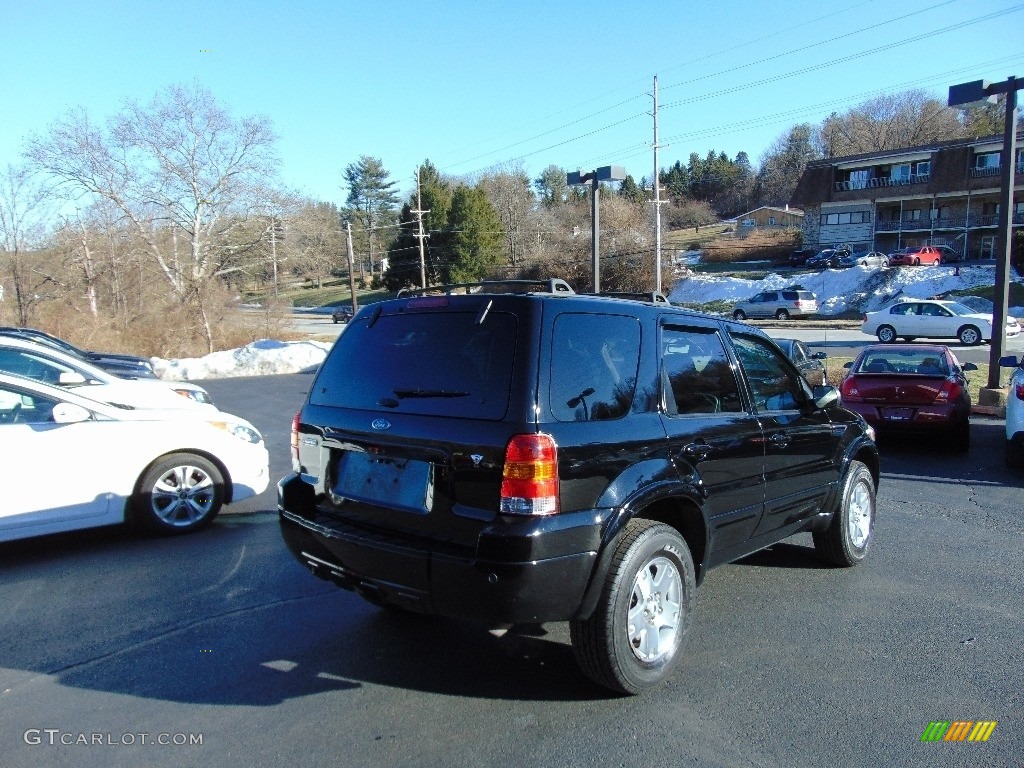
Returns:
(791,663)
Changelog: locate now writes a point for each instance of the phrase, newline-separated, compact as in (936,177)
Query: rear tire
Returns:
(782,315)
(847,539)
(635,637)
(962,438)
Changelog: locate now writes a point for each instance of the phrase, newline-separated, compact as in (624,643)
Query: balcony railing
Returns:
(881,181)
(984,173)
(963,222)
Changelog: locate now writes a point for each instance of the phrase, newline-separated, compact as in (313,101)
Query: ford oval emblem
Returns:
(381,424)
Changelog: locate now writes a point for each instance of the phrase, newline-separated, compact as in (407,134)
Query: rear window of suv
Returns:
(798,295)
(431,363)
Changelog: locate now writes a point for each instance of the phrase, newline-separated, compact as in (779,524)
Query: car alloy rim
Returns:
(859,515)
(653,615)
(969,336)
(183,495)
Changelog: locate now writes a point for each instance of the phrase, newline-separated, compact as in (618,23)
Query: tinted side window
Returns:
(17,408)
(697,375)
(772,384)
(904,309)
(594,361)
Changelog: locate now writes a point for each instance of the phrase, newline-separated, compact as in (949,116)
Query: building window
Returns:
(859,178)
(923,168)
(771,221)
(914,214)
(900,174)
(987,160)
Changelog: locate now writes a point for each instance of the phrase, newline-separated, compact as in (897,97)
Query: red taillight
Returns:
(848,390)
(863,318)
(950,391)
(1019,391)
(295,442)
(529,483)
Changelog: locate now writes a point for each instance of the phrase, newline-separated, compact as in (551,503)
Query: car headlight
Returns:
(241,431)
(195,394)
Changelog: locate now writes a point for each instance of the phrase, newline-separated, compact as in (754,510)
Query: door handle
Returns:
(779,440)
(697,451)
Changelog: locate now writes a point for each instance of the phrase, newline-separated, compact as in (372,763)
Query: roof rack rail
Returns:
(655,297)
(550,285)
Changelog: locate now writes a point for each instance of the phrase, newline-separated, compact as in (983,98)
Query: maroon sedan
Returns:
(911,389)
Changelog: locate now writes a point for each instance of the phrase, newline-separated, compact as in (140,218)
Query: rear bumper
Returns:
(925,419)
(520,571)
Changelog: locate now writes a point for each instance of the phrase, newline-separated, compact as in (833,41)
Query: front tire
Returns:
(847,539)
(179,493)
(886,334)
(969,336)
(739,314)
(635,637)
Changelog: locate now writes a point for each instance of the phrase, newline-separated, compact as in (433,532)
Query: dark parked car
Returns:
(917,389)
(342,314)
(799,257)
(129,366)
(538,455)
(827,258)
(808,363)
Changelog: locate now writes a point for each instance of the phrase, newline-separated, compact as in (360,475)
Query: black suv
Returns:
(525,454)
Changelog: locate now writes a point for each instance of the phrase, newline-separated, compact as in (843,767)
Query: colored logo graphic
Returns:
(958,730)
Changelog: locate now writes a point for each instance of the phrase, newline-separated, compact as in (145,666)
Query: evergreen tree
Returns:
(372,198)
(474,244)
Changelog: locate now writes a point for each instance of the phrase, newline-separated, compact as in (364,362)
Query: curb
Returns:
(997,411)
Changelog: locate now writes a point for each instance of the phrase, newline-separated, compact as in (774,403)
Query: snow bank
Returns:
(837,288)
(259,358)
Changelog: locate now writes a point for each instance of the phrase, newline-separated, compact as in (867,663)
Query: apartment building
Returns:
(939,194)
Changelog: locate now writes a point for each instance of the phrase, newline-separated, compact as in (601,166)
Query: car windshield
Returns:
(959,309)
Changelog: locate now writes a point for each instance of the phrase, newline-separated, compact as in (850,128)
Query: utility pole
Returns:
(419,218)
(351,268)
(984,91)
(657,196)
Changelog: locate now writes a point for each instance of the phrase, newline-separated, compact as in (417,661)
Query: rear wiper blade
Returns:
(403,393)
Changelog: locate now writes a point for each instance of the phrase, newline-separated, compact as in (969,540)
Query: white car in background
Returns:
(933,319)
(1015,412)
(71,462)
(47,365)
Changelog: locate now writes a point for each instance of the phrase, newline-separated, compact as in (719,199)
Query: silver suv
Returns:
(782,305)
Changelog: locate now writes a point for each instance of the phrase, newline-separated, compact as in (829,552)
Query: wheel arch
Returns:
(678,507)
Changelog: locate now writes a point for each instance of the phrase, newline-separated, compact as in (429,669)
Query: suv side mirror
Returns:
(1010,361)
(819,356)
(825,396)
(968,366)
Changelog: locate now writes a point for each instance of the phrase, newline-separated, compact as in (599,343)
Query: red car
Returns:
(911,389)
(915,256)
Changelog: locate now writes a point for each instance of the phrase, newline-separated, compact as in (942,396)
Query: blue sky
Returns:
(472,84)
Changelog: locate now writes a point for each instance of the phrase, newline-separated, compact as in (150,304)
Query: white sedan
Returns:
(71,462)
(933,319)
(47,365)
(1015,412)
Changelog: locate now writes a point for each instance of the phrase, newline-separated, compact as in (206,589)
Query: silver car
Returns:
(872,259)
(782,305)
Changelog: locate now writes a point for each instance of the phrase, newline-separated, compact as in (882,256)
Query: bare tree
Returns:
(892,121)
(181,171)
(509,192)
(24,212)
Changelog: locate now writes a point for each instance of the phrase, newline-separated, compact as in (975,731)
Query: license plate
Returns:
(396,483)
(898,414)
